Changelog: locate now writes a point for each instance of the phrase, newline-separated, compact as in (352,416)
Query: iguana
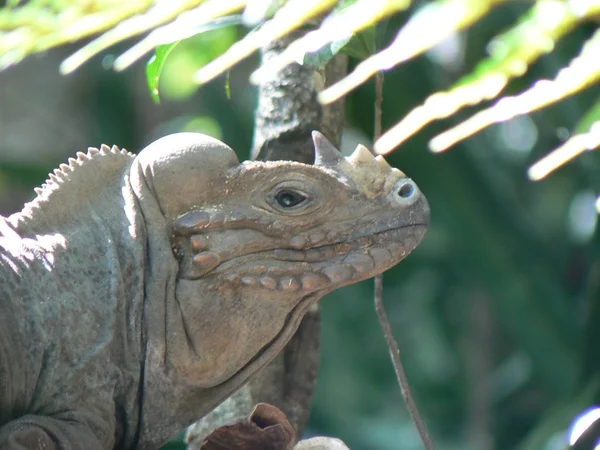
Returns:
(138,292)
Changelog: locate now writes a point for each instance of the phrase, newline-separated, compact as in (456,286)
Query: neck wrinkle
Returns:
(160,274)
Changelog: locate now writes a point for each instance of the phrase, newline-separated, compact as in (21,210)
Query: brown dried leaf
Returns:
(267,428)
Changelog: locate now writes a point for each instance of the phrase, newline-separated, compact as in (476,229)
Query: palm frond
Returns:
(441,19)
(587,138)
(580,74)
(511,53)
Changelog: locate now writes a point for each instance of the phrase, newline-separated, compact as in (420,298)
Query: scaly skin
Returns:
(138,293)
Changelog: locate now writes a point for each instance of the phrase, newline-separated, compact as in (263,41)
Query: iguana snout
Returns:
(297,228)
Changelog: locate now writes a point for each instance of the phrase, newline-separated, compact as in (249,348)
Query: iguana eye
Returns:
(406,191)
(288,198)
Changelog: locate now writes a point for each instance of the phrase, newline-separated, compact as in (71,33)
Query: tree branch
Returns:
(381,314)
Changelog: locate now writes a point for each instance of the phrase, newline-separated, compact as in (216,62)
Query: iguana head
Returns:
(258,242)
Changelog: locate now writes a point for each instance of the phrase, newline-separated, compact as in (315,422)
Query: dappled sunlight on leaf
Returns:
(159,14)
(581,73)
(257,11)
(574,147)
(155,66)
(582,423)
(511,53)
(32,28)
(340,25)
(288,18)
(177,77)
(186,25)
(427,28)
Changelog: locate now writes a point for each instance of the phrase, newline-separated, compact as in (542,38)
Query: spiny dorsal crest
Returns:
(68,171)
(368,172)
(78,180)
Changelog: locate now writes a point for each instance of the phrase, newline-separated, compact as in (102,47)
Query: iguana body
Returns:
(136,293)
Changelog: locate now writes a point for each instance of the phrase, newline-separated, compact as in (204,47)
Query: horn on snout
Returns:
(325,153)
(382,162)
(361,155)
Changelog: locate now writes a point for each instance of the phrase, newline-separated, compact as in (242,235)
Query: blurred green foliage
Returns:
(497,313)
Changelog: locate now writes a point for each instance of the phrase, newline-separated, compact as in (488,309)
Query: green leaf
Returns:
(358,45)
(157,61)
(176,79)
(324,54)
(291,16)
(176,31)
(362,45)
(589,119)
(155,66)
(257,11)
(344,4)
(348,18)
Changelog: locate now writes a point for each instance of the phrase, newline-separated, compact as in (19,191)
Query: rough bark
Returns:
(288,111)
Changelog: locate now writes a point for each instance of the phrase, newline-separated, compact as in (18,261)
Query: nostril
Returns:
(406,190)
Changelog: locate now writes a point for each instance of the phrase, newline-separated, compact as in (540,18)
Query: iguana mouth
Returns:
(326,266)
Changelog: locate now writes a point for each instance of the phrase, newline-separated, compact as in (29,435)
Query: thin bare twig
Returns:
(478,346)
(381,314)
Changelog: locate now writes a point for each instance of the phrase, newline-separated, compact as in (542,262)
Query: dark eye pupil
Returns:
(406,190)
(288,199)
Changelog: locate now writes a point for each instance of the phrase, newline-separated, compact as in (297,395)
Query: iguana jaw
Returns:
(260,296)
(330,266)
(385,256)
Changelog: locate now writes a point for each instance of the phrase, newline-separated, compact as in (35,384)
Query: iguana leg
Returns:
(47,433)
